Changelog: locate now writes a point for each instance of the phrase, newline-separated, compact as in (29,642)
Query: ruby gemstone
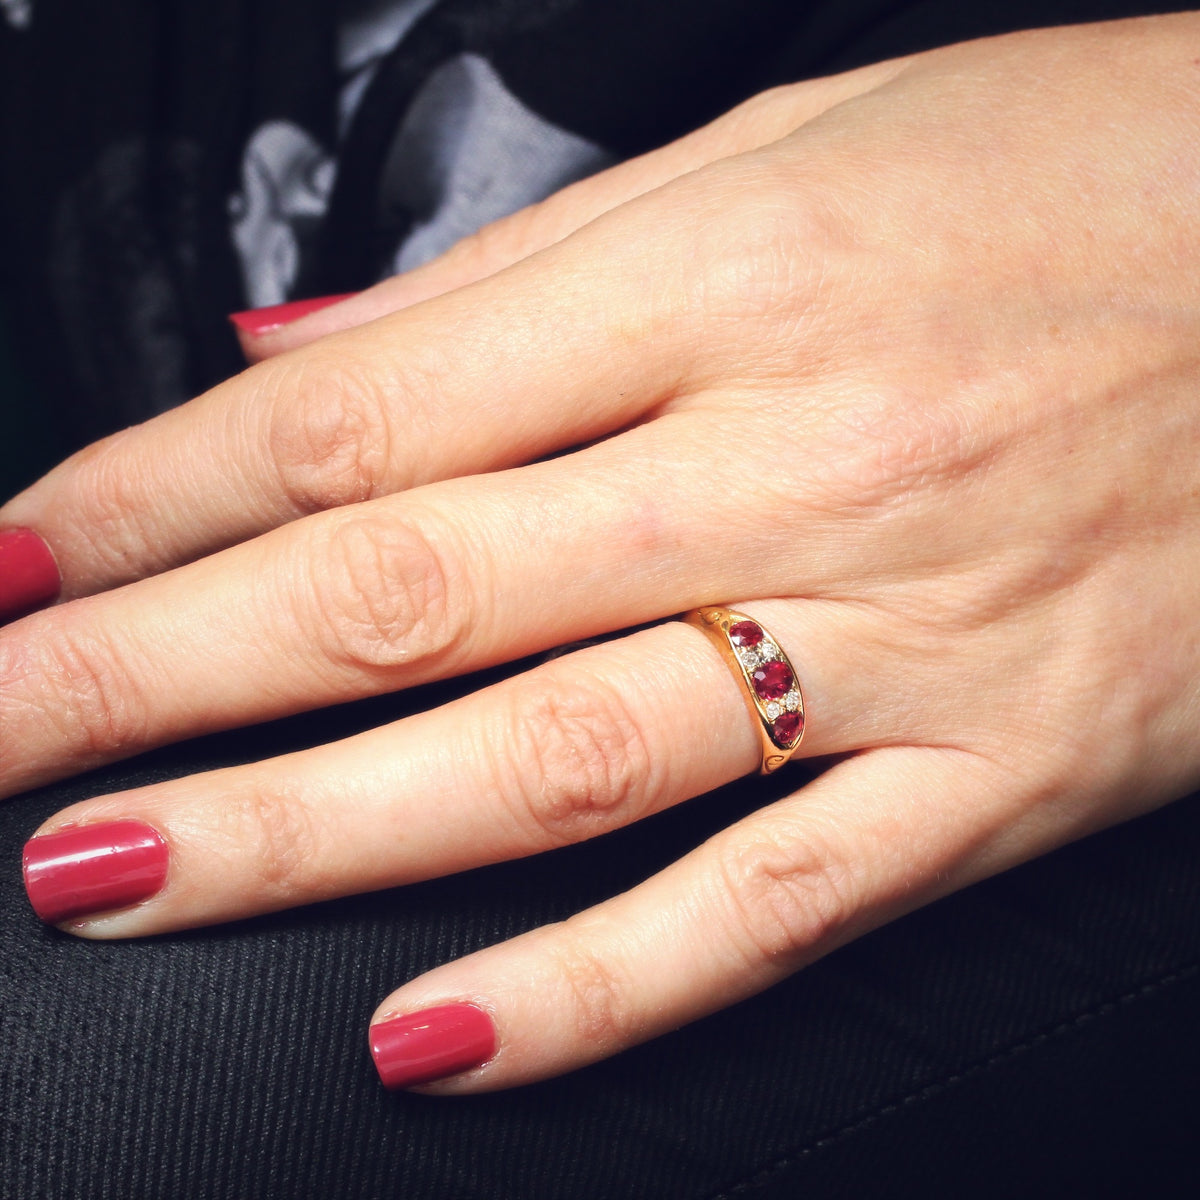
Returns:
(787,728)
(745,633)
(772,680)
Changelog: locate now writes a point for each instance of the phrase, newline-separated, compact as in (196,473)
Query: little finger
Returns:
(871,839)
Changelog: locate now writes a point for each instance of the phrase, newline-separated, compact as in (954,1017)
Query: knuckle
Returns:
(602,1009)
(380,597)
(888,450)
(269,826)
(783,100)
(577,761)
(763,262)
(495,245)
(91,694)
(785,894)
(111,490)
(328,433)
(22,703)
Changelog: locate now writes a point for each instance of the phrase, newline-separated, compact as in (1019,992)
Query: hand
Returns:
(900,363)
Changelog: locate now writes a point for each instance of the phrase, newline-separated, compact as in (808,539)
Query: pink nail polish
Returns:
(257,321)
(28,573)
(93,868)
(431,1044)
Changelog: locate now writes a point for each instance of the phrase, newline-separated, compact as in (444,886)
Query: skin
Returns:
(901,363)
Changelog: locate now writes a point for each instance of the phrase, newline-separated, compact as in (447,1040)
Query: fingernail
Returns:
(93,868)
(28,573)
(257,321)
(431,1044)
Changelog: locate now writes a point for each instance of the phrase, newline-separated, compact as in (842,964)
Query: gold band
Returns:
(769,684)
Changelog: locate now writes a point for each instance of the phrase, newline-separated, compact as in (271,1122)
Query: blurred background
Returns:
(29,445)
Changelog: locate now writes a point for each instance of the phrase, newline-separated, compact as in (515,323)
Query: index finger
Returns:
(560,348)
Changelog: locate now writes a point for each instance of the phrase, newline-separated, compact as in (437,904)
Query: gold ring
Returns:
(769,684)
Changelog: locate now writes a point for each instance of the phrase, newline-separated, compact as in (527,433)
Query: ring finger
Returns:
(581,745)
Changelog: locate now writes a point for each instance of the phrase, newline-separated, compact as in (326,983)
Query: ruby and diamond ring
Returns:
(769,685)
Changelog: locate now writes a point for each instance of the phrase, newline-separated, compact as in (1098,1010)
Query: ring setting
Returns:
(769,684)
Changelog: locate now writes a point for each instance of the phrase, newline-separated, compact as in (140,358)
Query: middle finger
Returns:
(374,597)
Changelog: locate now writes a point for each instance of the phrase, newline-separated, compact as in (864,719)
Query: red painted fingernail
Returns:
(257,321)
(93,868)
(28,573)
(431,1044)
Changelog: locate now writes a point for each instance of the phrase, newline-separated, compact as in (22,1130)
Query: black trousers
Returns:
(1038,1034)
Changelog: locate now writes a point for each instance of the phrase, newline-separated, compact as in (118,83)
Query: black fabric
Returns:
(120,129)
(1033,1035)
